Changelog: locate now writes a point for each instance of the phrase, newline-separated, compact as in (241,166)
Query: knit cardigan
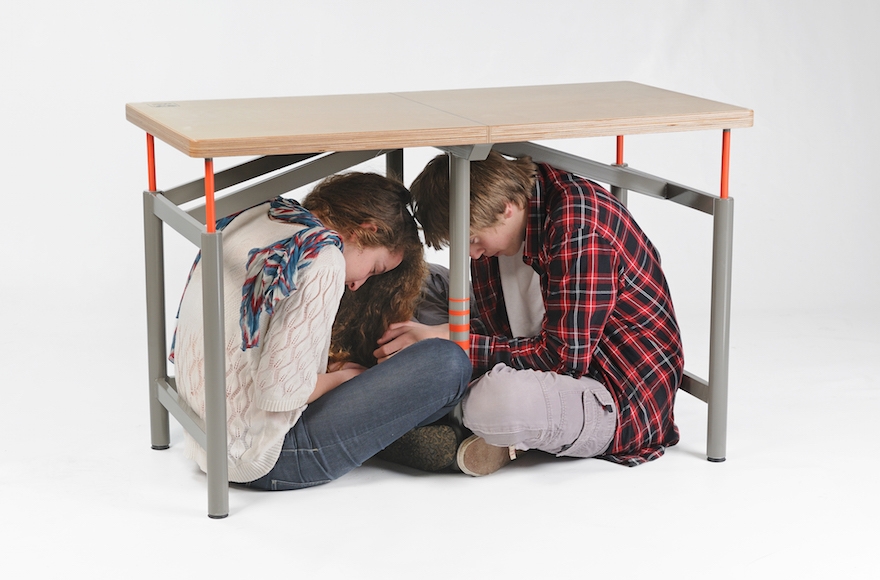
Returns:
(267,385)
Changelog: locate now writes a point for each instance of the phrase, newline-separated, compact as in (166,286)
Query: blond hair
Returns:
(494,182)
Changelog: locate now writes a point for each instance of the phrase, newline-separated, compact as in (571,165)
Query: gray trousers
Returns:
(528,409)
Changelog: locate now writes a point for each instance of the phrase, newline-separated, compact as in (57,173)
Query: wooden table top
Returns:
(280,125)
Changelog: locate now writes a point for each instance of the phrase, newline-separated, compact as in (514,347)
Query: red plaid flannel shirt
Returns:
(609,314)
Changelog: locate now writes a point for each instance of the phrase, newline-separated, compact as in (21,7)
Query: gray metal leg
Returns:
(459,249)
(620,193)
(394,164)
(719,331)
(155,288)
(460,157)
(215,375)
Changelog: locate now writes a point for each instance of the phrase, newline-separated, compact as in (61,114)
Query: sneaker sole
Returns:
(483,458)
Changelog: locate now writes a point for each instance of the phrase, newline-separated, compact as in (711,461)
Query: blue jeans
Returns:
(360,417)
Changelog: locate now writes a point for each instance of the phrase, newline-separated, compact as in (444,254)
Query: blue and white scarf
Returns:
(272,271)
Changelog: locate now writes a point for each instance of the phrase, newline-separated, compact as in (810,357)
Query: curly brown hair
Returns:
(364,315)
(346,202)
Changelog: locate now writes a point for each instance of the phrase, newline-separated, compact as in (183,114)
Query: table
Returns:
(300,140)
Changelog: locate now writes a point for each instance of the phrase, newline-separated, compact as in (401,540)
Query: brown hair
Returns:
(345,202)
(364,315)
(494,182)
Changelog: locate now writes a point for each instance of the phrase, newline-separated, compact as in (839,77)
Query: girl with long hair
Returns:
(306,402)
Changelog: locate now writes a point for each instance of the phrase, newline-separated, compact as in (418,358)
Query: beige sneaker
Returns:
(475,457)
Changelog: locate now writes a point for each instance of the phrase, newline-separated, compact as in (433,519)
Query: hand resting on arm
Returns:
(403,334)
(335,376)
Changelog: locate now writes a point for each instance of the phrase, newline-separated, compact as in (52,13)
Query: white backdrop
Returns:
(73,169)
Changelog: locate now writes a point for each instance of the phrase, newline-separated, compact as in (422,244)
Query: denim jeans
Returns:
(362,416)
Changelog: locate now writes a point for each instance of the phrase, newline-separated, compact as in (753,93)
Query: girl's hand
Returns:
(332,379)
(403,334)
(344,365)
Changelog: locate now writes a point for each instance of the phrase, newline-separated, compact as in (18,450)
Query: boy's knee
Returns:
(506,389)
(506,406)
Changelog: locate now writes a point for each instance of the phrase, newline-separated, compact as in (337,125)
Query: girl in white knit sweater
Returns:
(298,414)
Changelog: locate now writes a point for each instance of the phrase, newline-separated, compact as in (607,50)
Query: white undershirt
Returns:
(522,295)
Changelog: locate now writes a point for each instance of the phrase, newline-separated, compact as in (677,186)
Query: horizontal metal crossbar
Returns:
(289,180)
(182,222)
(234,176)
(696,386)
(614,175)
(187,418)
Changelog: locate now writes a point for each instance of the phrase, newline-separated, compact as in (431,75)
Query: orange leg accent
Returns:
(462,314)
(725,163)
(210,218)
(151,162)
(620,149)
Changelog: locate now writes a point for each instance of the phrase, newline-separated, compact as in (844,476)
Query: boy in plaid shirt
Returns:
(576,348)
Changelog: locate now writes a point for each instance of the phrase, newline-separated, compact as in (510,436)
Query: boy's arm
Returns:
(579,299)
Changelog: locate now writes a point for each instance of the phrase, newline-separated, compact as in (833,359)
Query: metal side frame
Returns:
(621,178)
(164,207)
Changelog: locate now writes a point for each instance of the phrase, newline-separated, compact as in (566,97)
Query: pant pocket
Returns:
(600,419)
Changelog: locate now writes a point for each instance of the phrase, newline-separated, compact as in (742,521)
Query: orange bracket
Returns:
(461,313)
(725,162)
(210,218)
(151,162)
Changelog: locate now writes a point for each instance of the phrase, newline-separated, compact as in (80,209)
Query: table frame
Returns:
(290,171)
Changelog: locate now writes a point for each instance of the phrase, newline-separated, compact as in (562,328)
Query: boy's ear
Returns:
(370,226)
(509,209)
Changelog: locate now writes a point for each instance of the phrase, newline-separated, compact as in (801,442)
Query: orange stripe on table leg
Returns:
(620,149)
(459,311)
(465,343)
(210,218)
(151,162)
(725,163)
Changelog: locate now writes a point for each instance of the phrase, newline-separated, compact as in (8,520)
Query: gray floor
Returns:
(797,497)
